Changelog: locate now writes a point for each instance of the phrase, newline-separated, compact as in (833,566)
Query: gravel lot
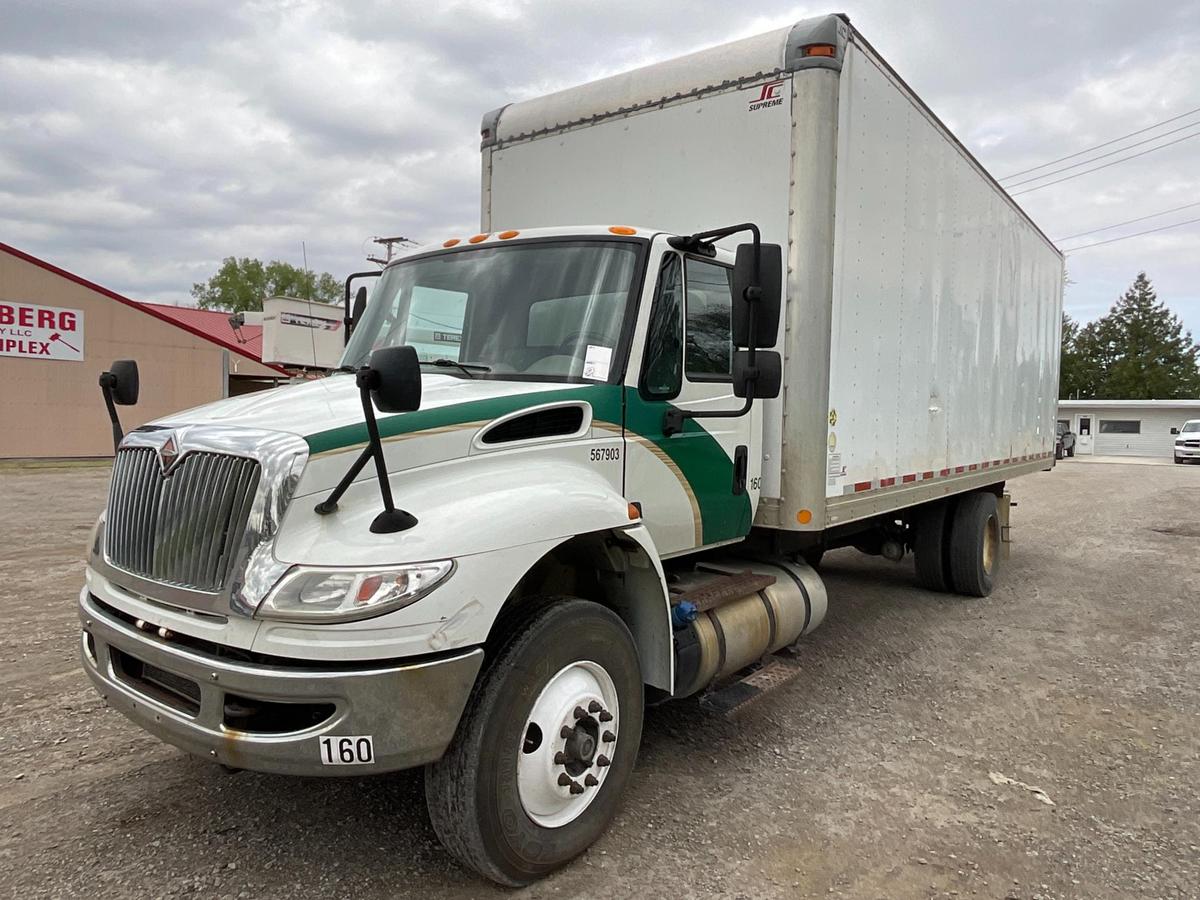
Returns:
(868,777)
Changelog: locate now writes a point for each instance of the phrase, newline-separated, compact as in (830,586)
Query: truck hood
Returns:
(331,403)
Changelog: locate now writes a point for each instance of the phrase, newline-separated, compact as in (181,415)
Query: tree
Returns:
(1138,351)
(243,284)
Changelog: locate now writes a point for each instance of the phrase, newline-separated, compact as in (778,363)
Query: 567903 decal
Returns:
(605,454)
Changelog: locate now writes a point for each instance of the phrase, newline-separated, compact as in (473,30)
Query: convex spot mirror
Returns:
(766,307)
(770,374)
(122,380)
(394,377)
(360,304)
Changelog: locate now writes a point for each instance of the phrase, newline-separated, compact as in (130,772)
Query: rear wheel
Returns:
(929,547)
(974,546)
(545,747)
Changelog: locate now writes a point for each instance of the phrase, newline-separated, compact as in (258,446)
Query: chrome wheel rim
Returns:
(568,744)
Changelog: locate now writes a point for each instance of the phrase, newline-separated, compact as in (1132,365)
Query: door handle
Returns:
(739,469)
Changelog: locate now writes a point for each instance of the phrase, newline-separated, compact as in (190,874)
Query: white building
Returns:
(1126,427)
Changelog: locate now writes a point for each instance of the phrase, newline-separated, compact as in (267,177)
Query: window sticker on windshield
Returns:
(596,363)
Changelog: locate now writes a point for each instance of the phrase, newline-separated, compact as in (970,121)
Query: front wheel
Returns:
(545,747)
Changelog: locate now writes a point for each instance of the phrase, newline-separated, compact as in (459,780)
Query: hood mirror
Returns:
(119,385)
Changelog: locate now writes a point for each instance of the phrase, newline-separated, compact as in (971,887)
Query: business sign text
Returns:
(40,332)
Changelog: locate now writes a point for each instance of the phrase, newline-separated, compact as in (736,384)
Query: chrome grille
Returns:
(184,528)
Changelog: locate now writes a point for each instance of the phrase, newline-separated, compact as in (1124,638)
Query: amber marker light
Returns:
(635,510)
(622,229)
(804,516)
(450,243)
(477,239)
(505,235)
(820,50)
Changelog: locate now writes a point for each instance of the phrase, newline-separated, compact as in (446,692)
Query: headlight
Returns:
(342,595)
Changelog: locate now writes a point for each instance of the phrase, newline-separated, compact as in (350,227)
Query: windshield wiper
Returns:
(467,368)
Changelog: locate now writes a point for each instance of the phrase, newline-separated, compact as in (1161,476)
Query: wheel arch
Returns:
(617,568)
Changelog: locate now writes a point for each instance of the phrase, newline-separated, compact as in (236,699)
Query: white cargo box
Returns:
(302,333)
(923,307)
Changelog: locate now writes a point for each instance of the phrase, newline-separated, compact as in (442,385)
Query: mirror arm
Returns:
(106,387)
(347,319)
(391,519)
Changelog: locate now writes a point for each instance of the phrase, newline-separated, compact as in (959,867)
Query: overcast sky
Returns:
(142,141)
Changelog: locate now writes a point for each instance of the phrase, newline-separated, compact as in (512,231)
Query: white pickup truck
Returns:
(806,319)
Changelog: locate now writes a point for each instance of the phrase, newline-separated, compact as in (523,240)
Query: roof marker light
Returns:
(622,229)
(477,238)
(819,50)
(450,243)
(505,235)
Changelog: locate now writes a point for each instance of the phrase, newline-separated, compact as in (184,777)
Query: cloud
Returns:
(141,142)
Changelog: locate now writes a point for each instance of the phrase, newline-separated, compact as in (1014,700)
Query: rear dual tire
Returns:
(957,545)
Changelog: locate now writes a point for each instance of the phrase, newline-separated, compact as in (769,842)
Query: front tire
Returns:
(975,544)
(545,747)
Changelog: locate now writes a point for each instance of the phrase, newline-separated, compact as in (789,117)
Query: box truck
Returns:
(724,313)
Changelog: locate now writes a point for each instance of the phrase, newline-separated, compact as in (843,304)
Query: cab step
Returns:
(732,699)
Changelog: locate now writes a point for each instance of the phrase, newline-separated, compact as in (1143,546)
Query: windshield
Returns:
(545,311)
(1190,427)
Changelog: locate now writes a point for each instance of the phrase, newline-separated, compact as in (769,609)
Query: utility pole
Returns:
(389,244)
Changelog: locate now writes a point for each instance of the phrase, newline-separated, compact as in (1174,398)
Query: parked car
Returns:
(1187,441)
(1064,443)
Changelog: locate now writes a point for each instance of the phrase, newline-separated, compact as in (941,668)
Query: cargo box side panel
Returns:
(946,309)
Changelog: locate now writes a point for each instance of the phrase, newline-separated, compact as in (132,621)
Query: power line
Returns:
(1103,155)
(1128,236)
(1038,187)
(1105,144)
(1127,222)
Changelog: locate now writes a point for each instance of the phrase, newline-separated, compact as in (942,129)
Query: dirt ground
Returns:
(868,777)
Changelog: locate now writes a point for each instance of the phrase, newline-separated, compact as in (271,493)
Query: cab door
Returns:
(699,487)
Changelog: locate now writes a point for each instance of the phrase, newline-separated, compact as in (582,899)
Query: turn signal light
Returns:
(804,516)
(450,243)
(635,511)
(820,50)
(477,239)
(622,229)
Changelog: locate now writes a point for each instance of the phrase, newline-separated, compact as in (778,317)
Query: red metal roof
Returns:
(214,325)
(202,323)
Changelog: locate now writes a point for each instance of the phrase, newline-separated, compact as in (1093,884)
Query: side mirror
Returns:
(122,380)
(360,304)
(761,386)
(394,378)
(1174,431)
(762,304)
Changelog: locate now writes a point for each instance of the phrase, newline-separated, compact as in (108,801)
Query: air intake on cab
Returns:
(558,421)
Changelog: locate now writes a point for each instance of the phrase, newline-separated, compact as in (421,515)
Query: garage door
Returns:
(1126,437)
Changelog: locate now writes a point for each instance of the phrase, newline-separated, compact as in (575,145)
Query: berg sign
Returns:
(40,332)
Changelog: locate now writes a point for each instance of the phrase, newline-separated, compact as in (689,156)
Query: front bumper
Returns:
(1187,452)
(188,696)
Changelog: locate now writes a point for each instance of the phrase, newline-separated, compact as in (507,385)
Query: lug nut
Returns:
(580,712)
(594,707)
(609,737)
(560,758)
(576,787)
(564,779)
(591,780)
(602,761)
(605,716)
(566,732)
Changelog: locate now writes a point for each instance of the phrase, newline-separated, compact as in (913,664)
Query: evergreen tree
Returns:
(1139,351)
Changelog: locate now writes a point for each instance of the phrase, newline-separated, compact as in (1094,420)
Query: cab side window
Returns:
(662,370)
(709,352)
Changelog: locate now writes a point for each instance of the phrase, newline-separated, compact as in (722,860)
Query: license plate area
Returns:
(346,750)
(157,684)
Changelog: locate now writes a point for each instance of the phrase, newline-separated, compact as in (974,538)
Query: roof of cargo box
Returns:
(715,69)
(809,44)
